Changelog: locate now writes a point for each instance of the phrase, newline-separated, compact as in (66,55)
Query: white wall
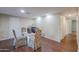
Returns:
(14,24)
(77,17)
(8,23)
(26,22)
(4,25)
(49,26)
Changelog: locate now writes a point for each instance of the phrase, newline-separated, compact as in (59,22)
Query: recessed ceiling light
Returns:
(48,15)
(39,18)
(69,15)
(22,11)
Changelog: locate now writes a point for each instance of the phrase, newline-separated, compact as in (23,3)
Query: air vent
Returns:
(28,13)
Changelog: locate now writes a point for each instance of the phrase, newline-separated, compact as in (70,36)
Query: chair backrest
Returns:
(14,34)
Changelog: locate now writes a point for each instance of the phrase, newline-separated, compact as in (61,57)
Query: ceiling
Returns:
(30,11)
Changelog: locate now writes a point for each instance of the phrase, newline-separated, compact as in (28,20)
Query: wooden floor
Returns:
(50,45)
(24,49)
(47,45)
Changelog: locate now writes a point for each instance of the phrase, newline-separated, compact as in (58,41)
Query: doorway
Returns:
(73,26)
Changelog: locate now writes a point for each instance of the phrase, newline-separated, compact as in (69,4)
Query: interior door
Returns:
(73,25)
